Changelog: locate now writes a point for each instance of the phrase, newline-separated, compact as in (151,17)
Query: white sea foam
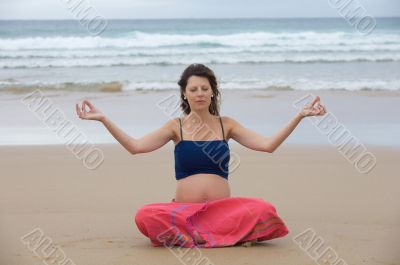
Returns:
(139,48)
(272,84)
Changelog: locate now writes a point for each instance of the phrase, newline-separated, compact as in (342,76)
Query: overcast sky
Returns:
(139,9)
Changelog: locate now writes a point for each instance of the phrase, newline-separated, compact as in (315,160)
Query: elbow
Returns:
(269,149)
(133,148)
(267,146)
(135,152)
(132,152)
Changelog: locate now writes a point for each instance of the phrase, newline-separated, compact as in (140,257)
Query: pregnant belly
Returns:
(202,187)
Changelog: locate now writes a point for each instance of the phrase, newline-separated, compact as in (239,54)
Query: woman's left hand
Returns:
(311,110)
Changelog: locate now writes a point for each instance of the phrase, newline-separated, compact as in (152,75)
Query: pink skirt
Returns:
(220,223)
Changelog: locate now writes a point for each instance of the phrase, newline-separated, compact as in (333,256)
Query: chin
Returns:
(200,108)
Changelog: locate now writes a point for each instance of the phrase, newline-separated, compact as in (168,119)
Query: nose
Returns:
(200,93)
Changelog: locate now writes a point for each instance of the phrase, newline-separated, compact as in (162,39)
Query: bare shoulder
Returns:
(174,127)
(169,128)
(228,121)
(229,125)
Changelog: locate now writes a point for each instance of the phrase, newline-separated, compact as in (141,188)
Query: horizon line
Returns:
(72,19)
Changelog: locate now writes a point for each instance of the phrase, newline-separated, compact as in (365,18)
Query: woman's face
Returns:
(198,92)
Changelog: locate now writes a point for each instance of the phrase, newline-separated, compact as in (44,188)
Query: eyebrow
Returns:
(196,86)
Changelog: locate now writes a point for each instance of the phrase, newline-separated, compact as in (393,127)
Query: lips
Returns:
(200,101)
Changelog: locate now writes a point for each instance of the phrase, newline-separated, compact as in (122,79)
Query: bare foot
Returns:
(197,238)
(249,243)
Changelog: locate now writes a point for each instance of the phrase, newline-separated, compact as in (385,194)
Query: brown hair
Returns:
(203,71)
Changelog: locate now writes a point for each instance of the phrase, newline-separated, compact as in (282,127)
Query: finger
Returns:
(83,108)
(78,111)
(87,102)
(321,110)
(308,112)
(316,112)
(315,100)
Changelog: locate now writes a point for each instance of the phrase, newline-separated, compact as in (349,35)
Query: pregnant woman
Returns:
(203,214)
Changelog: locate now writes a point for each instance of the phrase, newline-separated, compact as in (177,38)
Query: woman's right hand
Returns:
(93,114)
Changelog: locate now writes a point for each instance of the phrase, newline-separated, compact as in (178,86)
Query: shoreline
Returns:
(116,87)
(374,120)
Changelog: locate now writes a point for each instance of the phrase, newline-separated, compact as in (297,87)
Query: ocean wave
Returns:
(151,40)
(188,59)
(13,86)
(106,53)
(140,48)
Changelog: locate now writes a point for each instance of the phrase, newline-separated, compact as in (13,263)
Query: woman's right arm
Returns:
(124,139)
(147,143)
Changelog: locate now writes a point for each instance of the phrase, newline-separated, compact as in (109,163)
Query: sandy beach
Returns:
(89,213)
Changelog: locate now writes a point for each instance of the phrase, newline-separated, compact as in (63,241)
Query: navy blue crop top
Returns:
(194,157)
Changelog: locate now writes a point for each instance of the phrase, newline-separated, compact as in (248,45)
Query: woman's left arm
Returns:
(255,141)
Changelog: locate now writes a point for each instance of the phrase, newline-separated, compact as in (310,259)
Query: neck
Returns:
(203,115)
